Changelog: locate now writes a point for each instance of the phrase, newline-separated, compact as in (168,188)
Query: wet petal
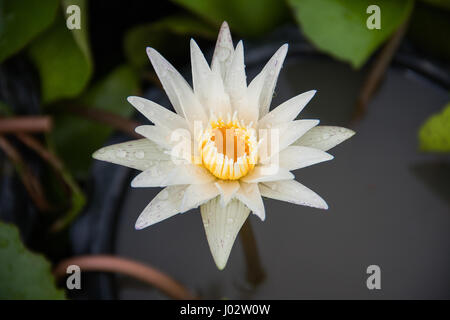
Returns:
(222,225)
(324,137)
(137,154)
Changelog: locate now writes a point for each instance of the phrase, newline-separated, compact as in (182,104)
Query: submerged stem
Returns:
(255,271)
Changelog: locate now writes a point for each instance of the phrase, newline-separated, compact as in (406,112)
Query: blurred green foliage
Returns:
(247,18)
(76,138)
(170,34)
(23,274)
(434,135)
(21,21)
(338,27)
(63,61)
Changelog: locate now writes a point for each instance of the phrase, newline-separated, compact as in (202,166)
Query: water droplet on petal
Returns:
(325,136)
(230,220)
(121,153)
(139,154)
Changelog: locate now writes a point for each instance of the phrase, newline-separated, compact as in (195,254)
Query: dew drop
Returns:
(230,220)
(139,154)
(325,136)
(121,154)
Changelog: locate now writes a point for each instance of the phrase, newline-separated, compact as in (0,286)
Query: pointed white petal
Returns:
(263,85)
(263,173)
(165,205)
(292,191)
(200,68)
(158,114)
(286,134)
(178,90)
(137,154)
(236,86)
(159,135)
(198,194)
(296,157)
(324,137)
(227,190)
(249,194)
(222,225)
(294,130)
(208,85)
(170,173)
(287,111)
(223,53)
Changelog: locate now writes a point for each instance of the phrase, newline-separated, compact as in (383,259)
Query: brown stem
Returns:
(108,263)
(118,122)
(25,124)
(45,154)
(377,71)
(255,271)
(31,183)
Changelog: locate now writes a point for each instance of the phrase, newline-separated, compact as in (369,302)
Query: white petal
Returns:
(263,85)
(159,135)
(263,173)
(292,191)
(223,53)
(158,114)
(324,137)
(198,194)
(294,130)
(287,111)
(236,86)
(178,90)
(170,173)
(165,205)
(296,157)
(286,133)
(136,154)
(222,225)
(227,190)
(249,194)
(208,85)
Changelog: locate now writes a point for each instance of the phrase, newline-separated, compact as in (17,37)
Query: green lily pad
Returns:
(434,135)
(339,27)
(21,21)
(23,274)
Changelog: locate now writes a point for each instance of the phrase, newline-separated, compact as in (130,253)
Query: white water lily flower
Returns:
(237,151)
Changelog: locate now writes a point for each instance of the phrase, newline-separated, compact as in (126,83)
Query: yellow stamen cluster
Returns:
(228,149)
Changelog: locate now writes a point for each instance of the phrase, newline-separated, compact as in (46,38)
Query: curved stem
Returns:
(26,124)
(145,273)
(255,270)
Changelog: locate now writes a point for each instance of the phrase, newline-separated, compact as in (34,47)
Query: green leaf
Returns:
(23,274)
(63,60)
(21,21)
(339,28)
(170,34)
(76,138)
(247,18)
(434,135)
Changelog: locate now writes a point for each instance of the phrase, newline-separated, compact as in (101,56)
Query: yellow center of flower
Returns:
(228,149)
